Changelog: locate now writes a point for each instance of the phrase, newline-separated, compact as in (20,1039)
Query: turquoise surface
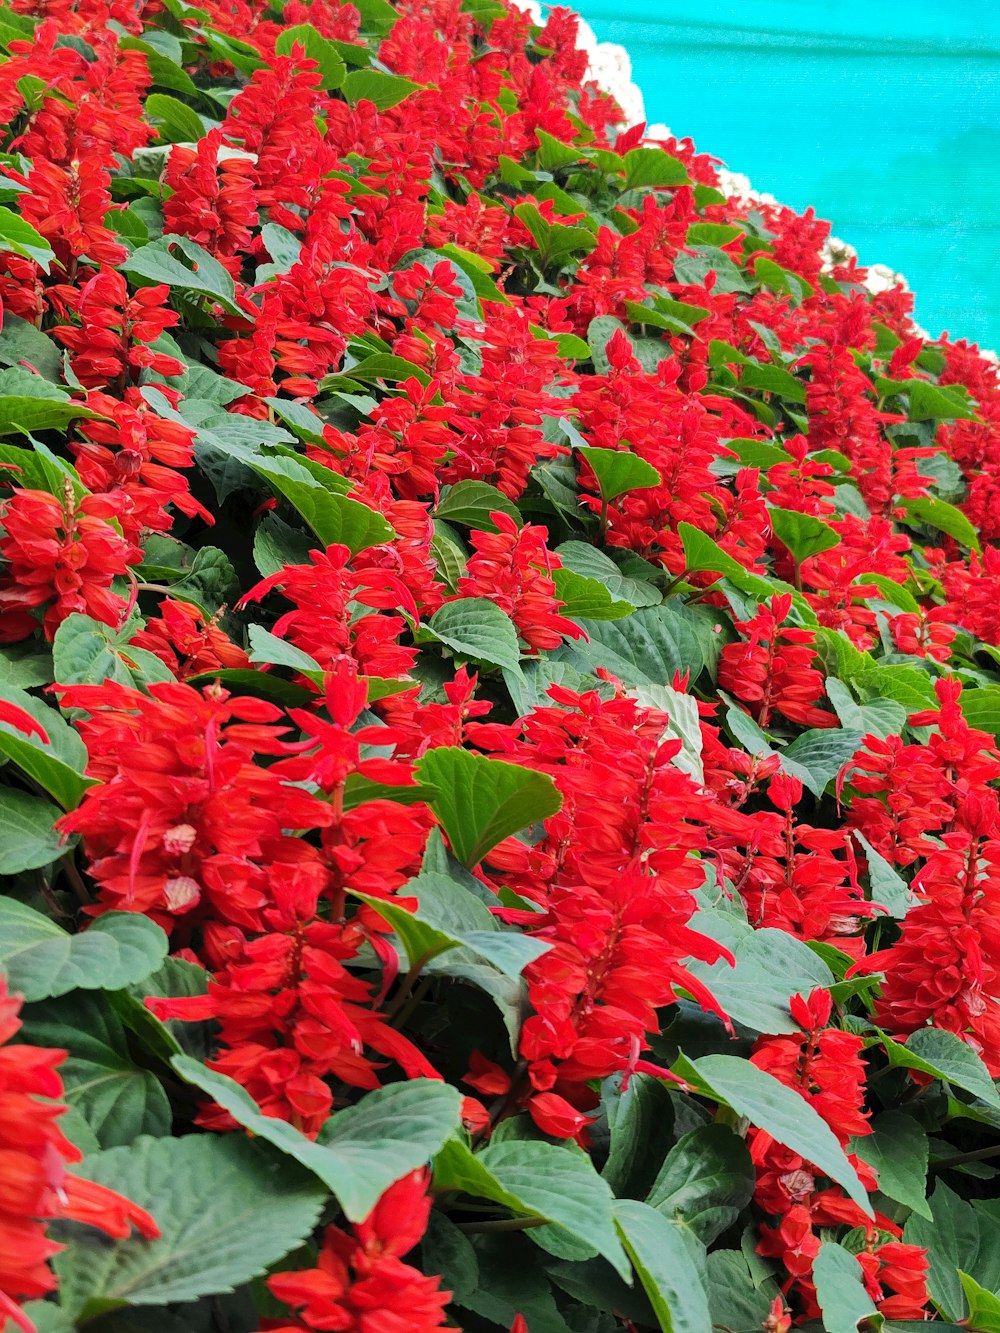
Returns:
(884,117)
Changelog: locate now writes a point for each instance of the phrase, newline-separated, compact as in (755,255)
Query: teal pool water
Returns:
(884,117)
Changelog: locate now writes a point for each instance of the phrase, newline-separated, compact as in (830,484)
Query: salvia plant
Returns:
(499,689)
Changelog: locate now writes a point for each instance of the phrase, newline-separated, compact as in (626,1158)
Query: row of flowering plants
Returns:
(499,695)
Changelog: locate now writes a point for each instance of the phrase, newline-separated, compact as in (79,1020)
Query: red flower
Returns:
(62,555)
(513,567)
(34,1184)
(361,1284)
(773,670)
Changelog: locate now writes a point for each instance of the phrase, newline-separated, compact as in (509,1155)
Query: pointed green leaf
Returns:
(481,801)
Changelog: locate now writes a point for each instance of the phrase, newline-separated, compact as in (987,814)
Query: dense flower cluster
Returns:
(518,623)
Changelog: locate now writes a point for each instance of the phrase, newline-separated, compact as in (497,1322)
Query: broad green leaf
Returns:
(87,652)
(706,1180)
(653,168)
(878,717)
(618,471)
(28,839)
(21,341)
(175,121)
(771,966)
(683,723)
(669,1263)
(314,47)
(803,534)
(23,415)
(117,1099)
(268,648)
(951,1239)
(335,519)
(448,917)
(984,1306)
(840,1292)
(898,1150)
(227,1209)
(888,887)
(471,503)
(641,1126)
(56,764)
(587,599)
(782,279)
(929,402)
(942,1054)
(582,558)
(42,960)
(737,1299)
(648,647)
(20,238)
(476,628)
(784,1114)
(819,754)
(206,276)
(693,265)
(25,665)
(559,1183)
(981,709)
(481,801)
(361,1150)
(555,240)
(371,85)
(944,517)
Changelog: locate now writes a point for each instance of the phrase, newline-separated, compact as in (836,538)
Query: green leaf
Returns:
(878,717)
(314,47)
(771,966)
(481,801)
(782,279)
(24,415)
(803,534)
(56,764)
(42,960)
(784,1114)
(840,1292)
(693,268)
(898,1149)
(942,1054)
(820,753)
(981,709)
(476,628)
(20,238)
(21,341)
(177,122)
(334,518)
(952,1241)
(227,1210)
(945,517)
(28,839)
(618,471)
(669,1264)
(929,402)
(984,1306)
(888,887)
(116,1098)
(706,1181)
(647,648)
(737,1298)
(24,665)
(560,1183)
(157,262)
(653,168)
(471,503)
(361,1150)
(587,599)
(448,917)
(377,16)
(582,558)
(371,85)
(87,652)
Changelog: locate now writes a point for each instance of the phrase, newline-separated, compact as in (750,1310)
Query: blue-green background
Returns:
(884,116)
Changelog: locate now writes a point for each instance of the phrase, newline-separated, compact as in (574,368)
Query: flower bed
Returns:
(499,687)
